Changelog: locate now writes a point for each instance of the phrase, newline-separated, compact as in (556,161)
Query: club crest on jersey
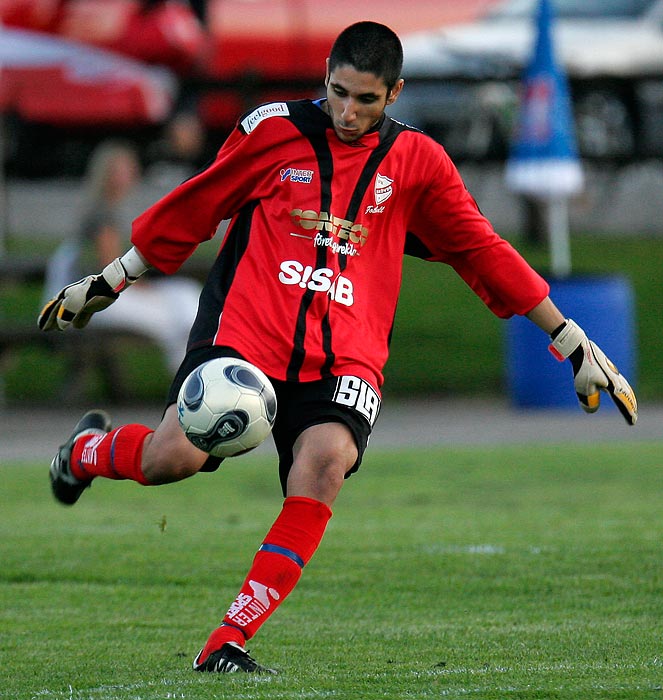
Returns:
(383,189)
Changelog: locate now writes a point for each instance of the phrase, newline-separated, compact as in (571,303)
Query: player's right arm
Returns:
(246,170)
(169,231)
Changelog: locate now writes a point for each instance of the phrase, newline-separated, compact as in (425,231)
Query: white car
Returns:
(463,79)
(592,38)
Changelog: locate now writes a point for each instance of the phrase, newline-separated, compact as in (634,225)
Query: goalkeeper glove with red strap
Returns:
(75,304)
(592,371)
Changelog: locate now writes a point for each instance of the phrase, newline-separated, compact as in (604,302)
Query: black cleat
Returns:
(66,488)
(230,658)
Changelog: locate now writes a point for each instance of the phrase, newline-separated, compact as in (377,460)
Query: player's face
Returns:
(356,101)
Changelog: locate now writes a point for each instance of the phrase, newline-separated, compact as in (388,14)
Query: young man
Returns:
(324,197)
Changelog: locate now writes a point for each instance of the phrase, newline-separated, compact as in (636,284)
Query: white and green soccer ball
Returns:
(226,407)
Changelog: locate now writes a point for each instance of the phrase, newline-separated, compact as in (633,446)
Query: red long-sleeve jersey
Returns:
(308,275)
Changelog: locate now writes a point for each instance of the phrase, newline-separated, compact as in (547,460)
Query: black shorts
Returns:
(348,400)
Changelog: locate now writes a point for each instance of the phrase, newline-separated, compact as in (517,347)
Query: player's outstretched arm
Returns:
(75,304)
(592,371)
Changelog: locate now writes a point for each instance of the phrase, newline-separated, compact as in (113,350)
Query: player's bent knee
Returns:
(168,471)
(323,455)
(169,456)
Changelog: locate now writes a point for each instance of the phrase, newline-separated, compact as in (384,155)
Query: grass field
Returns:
(512,572)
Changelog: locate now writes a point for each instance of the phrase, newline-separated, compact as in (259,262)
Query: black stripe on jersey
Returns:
(312,122)
(389,130)
(220,279)
(415,247)
(388,133)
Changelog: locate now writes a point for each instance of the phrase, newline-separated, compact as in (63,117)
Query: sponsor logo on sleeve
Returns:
(274,109)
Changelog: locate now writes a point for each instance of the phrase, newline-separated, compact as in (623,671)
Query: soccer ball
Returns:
(226,407)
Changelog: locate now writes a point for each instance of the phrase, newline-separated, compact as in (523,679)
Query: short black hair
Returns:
(369,47)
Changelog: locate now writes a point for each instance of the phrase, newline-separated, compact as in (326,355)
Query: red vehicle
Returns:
(233,38)
(228,54)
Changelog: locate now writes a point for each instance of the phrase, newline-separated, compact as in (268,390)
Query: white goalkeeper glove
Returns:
(593,371)
(75,304)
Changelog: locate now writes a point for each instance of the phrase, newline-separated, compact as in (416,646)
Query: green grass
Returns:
(511,572)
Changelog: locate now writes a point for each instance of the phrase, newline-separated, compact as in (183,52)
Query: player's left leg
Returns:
(132,451)
(323,455)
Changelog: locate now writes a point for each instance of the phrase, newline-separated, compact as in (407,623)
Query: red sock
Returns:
(117,455)
(288,546)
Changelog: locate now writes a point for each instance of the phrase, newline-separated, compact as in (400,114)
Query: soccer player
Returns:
(324,197)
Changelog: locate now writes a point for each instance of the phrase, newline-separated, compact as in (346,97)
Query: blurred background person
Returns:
(160,307)
(180,152)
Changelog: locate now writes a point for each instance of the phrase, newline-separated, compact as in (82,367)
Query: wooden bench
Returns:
(83,351)
(18,269)
(95,350)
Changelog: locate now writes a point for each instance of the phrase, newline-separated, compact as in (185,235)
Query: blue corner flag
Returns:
(543,160)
